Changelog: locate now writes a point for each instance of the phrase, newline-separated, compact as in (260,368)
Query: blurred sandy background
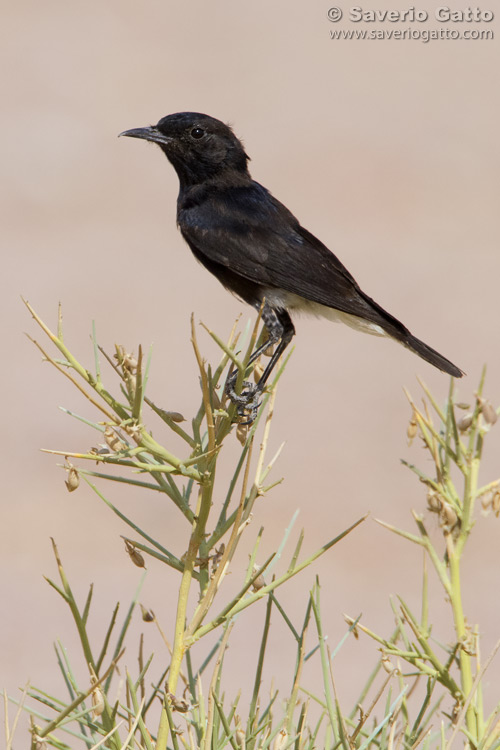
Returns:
(386,150)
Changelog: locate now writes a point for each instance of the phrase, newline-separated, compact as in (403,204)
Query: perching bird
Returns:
(258,249)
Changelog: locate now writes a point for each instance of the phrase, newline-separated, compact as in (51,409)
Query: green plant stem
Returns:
(179,647)
(209,595)
(183,638)
(241,601)
(73,363)
(470,493)
(461,633)
(455,551)
(325,661)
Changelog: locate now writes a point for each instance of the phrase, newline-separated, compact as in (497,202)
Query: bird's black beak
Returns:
(147,134)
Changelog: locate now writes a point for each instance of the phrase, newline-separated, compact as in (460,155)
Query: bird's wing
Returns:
(249,232)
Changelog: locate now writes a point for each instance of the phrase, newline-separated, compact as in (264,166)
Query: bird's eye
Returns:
(197,133)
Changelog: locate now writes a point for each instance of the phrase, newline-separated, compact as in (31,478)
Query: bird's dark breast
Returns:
(247,290)
(221,226)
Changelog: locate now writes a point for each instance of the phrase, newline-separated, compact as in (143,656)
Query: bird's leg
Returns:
(275,331)
(280,329)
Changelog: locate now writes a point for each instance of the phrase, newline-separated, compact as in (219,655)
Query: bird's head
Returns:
(198,146)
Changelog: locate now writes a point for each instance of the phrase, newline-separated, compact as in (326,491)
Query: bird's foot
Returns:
(247,402)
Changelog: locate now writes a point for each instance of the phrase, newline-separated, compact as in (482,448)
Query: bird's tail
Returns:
(431,355)
(393,327)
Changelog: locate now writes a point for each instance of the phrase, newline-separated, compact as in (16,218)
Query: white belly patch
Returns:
(295,303)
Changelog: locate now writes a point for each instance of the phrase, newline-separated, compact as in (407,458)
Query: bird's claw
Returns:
(247,402)
(249,411)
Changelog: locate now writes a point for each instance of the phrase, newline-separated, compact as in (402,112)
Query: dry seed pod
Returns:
(241,433)
(147,614)
(462,405)
(131,382)
(486,502)
(412,429)
(489,414)
(100,450)
(73,481)
(386,664)
(134,430)
(175,416)
(240,738)
(118,355)
(495,503)
(281,740)
(464,423)
(129,362)
(97,702)
(448,515)
(178,704)
(134,554)
(457,709)
(113,440)
(125,359)
(260,581)
(434,501)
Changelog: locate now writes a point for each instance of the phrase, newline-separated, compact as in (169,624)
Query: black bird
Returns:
(257,248)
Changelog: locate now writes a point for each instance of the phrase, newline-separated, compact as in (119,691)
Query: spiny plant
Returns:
(187,704)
